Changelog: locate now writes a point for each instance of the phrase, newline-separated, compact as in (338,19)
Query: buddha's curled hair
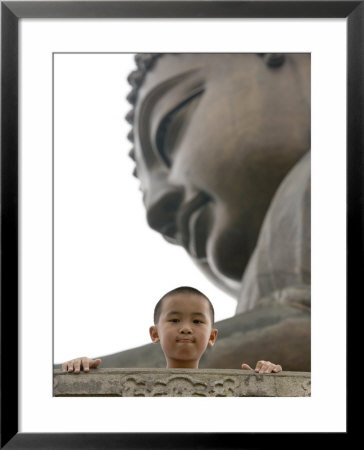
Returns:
(146,61)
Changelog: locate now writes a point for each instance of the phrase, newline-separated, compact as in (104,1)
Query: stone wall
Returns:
(181,383)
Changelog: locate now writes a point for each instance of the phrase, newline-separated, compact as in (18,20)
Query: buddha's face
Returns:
(215,134)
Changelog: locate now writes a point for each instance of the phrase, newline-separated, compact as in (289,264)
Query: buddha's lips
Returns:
(184,217)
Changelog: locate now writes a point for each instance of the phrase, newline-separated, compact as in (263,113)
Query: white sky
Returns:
(110,268)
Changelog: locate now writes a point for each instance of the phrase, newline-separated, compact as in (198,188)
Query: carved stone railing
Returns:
(181,383)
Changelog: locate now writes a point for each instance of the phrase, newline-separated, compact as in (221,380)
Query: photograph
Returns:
(220,153)
(158,227)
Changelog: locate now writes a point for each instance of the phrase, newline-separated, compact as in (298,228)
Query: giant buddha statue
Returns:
(221,144)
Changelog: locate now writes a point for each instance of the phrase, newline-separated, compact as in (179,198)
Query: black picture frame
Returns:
(11,12)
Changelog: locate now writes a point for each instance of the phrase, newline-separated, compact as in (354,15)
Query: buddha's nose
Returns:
(162,210)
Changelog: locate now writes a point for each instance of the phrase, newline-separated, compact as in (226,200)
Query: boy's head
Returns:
(183,325)
(182,290)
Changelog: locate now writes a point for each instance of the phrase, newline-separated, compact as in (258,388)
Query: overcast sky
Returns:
(110,268)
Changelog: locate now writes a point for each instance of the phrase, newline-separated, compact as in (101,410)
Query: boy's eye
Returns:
(174,320)
(197,321)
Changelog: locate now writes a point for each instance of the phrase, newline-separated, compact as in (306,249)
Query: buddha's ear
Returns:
(153,331)
(213,337)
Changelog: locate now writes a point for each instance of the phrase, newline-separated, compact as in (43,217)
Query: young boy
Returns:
(183,326)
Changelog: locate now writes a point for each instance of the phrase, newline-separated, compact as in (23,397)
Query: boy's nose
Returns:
(185,329)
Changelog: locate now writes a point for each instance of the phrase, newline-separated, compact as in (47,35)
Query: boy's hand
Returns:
(263,367)
(82,363)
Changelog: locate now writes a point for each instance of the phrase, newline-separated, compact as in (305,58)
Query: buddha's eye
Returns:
(170,130)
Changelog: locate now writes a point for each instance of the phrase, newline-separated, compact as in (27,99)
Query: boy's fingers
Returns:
(77,366)
(85,364)
(259,365)
(262,366)
(246,367)
(266,368)
(90,363)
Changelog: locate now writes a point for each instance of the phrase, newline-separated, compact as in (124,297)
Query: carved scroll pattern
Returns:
(176,386)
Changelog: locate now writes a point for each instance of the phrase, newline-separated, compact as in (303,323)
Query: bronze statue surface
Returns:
(222,151)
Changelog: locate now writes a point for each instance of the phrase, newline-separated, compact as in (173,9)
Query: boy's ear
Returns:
(213,337)
(154,334)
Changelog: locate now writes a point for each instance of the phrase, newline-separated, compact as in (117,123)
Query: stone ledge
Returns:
(180,383)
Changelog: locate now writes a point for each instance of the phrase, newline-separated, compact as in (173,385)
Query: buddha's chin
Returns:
(218,250)
(227,256)
(228,285)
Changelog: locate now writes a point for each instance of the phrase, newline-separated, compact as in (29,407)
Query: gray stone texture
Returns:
(181,383)
(279,270)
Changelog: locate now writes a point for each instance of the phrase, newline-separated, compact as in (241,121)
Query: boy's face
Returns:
(184,330)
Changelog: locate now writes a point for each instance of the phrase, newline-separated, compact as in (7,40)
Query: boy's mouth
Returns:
(185,340)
